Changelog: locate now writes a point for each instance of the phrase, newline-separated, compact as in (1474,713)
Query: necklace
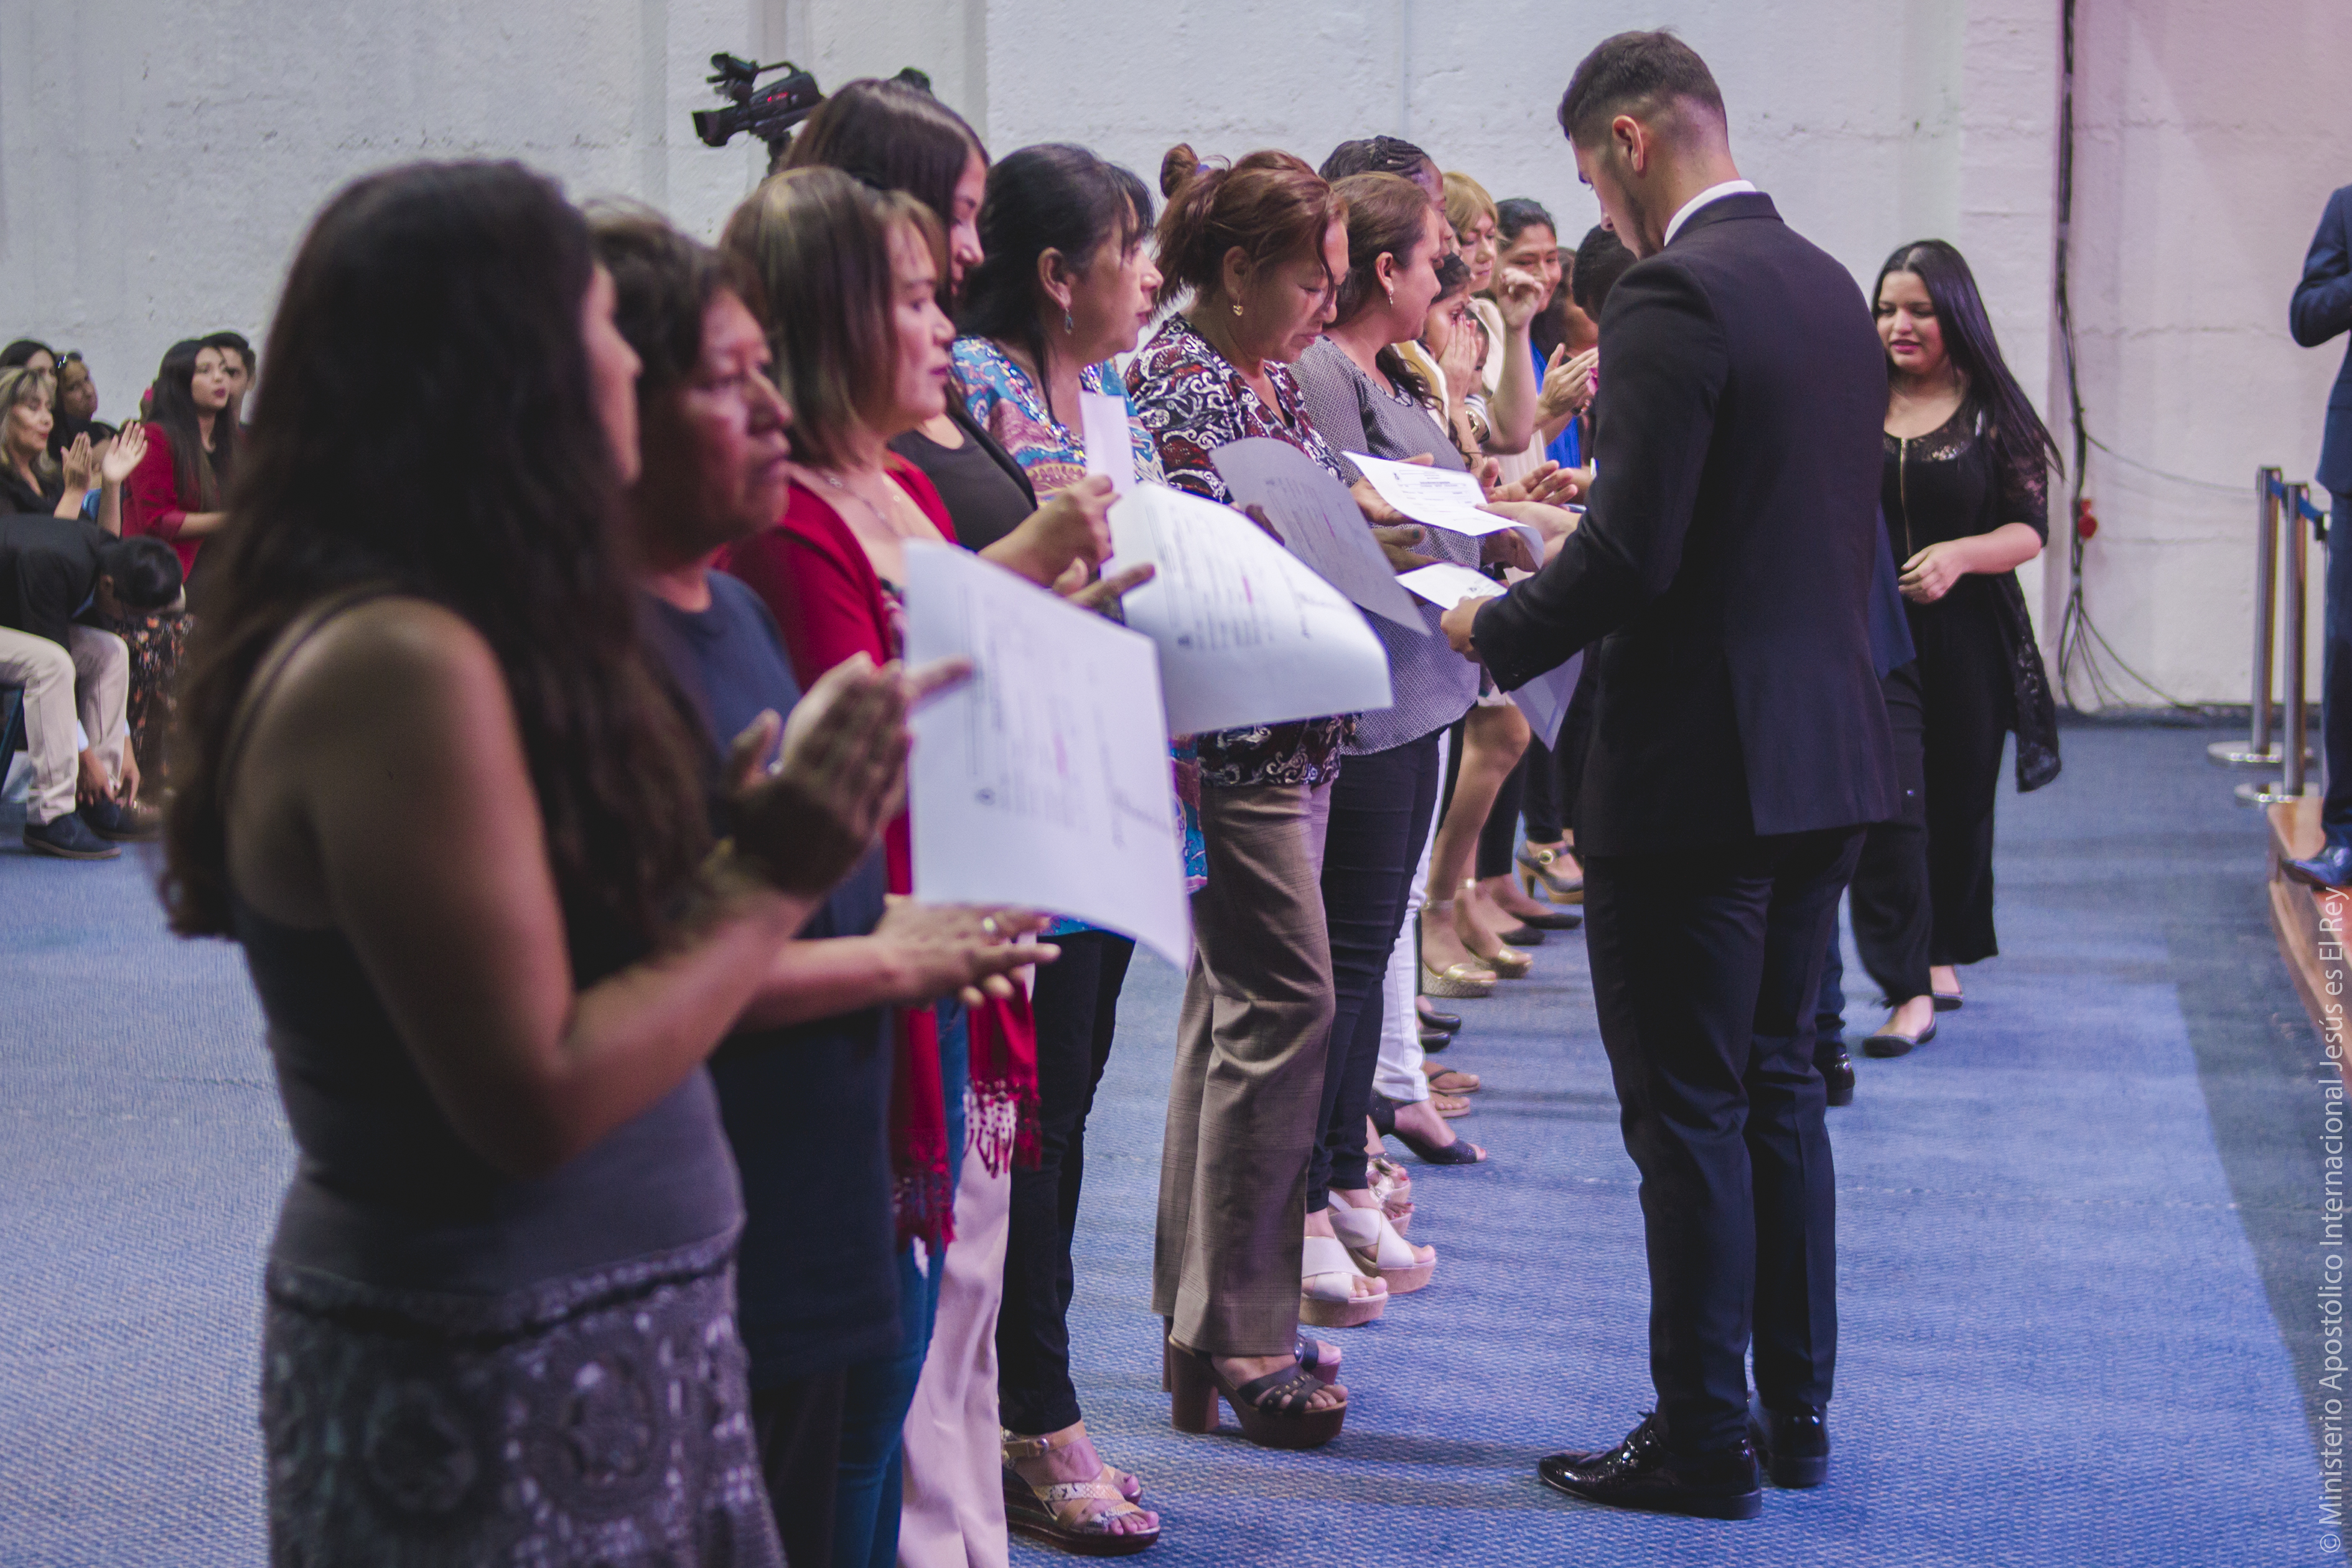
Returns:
(878,515)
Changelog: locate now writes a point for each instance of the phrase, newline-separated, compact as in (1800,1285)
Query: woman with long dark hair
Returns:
(1064,283)
(1965,497)
(428,782)
(177,492)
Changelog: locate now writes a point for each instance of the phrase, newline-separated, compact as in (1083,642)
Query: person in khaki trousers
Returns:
(50,568)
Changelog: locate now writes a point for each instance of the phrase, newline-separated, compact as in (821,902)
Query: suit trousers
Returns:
(1706,968)
(1381,810)
(1077,1007)
(2335,676)
(1245,1097)
(1893,913)
(88,677)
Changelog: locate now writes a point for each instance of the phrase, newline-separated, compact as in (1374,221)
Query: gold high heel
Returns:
(1536,865)
(1457,980)
(1506,961)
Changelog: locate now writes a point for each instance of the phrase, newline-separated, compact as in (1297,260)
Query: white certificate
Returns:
(1439,496)
(1110,448)
(1044,781)
(1447,584)
(1319,520)
(1249,634)
(1544,699)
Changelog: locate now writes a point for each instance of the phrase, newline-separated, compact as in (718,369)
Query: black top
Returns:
(17,496)
(2321,309)
(807,1107)
(1726,558)
(984,490)
(1951,483)
(49,569)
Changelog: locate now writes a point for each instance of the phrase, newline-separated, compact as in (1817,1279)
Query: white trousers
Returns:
(88,678)
(952,1514)
(1399,1075)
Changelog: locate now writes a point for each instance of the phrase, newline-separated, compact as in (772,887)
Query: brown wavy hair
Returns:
(1270,206)
(428,424)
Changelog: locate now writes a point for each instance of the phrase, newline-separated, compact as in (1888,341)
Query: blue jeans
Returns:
(881,1391)
(2336,677)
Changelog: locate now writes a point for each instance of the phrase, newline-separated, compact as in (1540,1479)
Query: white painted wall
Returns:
(158,162)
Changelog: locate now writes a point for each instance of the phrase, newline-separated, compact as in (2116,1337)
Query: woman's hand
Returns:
(957,950)
(1458,623)
(81,464)
(842,774)
(1518,294)
(1073,526)
(1459,359)
(1104,595)
(1568,387)
(1930,574)
(123,454)
(1554,522)
(1397,543)
(1507,547)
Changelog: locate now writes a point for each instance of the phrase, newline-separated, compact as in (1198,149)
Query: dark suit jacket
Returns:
(2321,309)
(49,569)
(1726,557)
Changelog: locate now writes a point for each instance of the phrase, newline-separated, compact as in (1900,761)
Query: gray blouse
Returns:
(1430,685)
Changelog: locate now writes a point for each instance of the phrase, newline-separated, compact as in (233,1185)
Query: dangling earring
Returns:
(1237,307)
(1389,290)
(1068,324)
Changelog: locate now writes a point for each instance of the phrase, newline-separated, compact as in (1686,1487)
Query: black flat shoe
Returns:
(1553,919)
(1432,1019)
(1948,1001)
(1792,1444)
(1894,1044)
(1837,1072)
(1457,1152)
(1434,1041)
(1523,936)
(1640,1473)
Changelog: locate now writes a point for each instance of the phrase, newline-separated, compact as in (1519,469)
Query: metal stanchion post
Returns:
(2291,742)
(2260,751)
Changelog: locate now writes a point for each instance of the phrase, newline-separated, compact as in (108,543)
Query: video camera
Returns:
(768,112)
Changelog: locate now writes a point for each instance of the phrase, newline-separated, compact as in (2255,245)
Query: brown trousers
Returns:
(1245,1103)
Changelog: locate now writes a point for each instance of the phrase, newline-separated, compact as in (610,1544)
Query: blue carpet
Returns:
(2060,1346)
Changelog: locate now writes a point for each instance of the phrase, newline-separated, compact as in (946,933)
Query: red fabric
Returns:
(152,501)
(817,580)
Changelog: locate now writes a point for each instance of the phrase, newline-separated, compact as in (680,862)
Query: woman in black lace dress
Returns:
(1965,496)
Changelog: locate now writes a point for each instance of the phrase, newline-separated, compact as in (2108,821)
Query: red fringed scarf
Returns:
(1001,1121)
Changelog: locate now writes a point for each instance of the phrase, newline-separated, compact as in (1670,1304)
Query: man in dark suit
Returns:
(2321,309)
(1739,745)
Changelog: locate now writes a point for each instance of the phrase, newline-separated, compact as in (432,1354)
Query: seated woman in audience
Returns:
(817,1274)
(429,781)
(31,480)
(1259,247)
(30,354)
(1065,282)
(1362,398)
(175,494)
(77,406)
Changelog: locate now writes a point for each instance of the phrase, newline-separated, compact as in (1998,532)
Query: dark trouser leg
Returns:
(1381,809)
(1576,741)
(1076,1004)
(2336,677)
(1894,919)
(798,1426)
(876,1397)
(1501,834)
(1965,700)
(1829,1002)
(1704,971)
(1539,804)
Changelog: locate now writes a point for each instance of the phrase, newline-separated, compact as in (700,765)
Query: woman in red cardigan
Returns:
(175,492)
(850,280)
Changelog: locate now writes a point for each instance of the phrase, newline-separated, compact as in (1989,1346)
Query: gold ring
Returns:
(989,928)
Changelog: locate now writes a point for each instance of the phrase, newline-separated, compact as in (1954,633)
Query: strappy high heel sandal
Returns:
(1272,1409)
(1377,1248)
(1327,1297)
(1458,980)
(1067,1514)
(1320,1360)
(1505,961)
(1536,868)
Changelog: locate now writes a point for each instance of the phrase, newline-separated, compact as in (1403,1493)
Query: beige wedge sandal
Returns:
(1070,1514)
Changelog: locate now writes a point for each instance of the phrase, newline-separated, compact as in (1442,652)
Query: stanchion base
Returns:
(2241,754)
(2274,793)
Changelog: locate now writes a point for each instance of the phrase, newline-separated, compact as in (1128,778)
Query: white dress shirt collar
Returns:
(1712,193)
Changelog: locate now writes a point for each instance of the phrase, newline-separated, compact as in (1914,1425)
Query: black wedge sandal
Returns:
(1272,1409)
(1457,1152)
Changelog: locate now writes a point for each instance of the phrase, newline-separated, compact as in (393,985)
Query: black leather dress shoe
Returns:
(2331,869)
(1837,1071)
(1792,1444)
(1640,1473)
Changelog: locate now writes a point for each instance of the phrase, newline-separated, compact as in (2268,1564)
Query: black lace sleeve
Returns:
(2024,480)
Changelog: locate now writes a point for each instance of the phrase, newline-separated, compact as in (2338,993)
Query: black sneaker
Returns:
(122,824)
(70,838)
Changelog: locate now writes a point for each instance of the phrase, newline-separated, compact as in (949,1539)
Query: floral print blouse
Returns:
(1191,401)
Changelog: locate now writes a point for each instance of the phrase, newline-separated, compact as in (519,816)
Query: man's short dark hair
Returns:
(144,570)
(1630,73)
(225,339)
